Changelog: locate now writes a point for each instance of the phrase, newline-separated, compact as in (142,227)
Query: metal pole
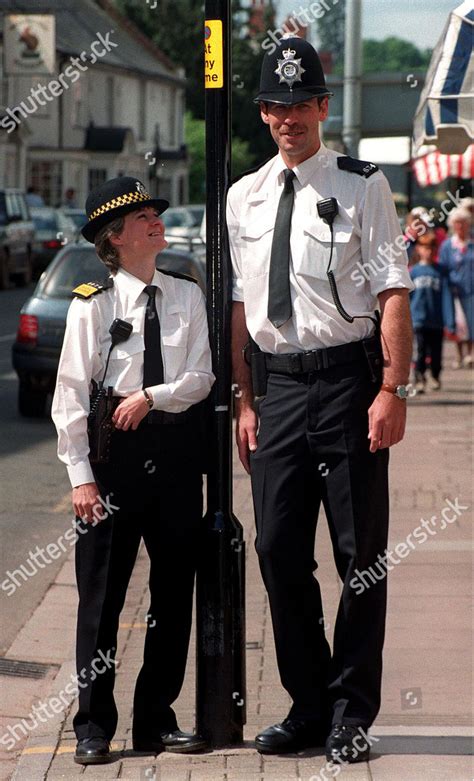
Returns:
(352,78)
(220,682)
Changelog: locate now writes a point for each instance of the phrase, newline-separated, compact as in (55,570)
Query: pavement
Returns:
(424,726)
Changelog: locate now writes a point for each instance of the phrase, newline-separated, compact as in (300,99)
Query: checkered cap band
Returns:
(121,200)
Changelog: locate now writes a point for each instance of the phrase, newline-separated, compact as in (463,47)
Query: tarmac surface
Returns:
(423,730)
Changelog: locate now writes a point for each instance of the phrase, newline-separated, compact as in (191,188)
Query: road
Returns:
(34,499)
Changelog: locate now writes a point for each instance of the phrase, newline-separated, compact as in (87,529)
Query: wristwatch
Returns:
(402,392)
(148,398)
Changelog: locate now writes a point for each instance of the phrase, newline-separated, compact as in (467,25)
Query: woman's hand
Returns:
(130,412)
(87,504)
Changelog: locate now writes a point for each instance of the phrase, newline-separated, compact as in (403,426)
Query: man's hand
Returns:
(130,412)
(86,502)
(246,433)
(387,419)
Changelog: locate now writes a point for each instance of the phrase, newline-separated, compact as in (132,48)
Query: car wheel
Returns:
(31,401)
(24,279)
(4,273)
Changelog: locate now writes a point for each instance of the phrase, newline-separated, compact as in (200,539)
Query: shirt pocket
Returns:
(131,347)
(313,259)
(175,348)
(255,237)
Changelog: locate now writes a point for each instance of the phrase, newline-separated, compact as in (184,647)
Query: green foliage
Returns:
(330,31)
(393,54)
(195,138)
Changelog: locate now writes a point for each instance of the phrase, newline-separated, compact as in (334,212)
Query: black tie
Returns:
(279,297)
(152,360)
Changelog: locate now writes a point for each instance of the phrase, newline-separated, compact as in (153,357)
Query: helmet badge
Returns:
(289,69)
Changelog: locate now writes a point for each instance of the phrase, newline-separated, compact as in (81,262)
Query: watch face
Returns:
(401,392)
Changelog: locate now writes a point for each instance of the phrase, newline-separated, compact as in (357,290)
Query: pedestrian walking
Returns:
(432,310)
(331,405)
(456,259)
(135,461)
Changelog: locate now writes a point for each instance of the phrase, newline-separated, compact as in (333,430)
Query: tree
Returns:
(393,54)
(195,136)
(330,33)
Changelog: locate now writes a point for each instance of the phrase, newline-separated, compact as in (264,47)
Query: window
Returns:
(142,110)
(46,177)
(97,176)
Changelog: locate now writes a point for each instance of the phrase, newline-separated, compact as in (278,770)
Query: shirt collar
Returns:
(132,286)
(306,169)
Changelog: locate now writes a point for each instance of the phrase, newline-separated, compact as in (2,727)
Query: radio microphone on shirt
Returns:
(328,209)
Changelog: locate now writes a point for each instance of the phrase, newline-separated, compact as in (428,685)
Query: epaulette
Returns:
(89,289)
(251,170)
(354,166)
(177,274)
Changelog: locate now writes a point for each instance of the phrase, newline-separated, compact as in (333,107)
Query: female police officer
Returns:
(151,485)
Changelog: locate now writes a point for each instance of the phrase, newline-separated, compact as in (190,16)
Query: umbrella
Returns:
(444,116)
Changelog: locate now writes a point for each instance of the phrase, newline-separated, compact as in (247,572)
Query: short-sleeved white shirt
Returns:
(369,251)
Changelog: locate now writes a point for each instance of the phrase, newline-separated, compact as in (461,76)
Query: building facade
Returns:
(118,109)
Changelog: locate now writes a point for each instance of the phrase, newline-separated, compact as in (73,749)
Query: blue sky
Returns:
(418,21)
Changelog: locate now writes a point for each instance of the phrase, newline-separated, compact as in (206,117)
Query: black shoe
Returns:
(177,741)
(347,743)
(290,735)
(92,751)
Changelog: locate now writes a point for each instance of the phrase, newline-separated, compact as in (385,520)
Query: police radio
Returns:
(102,402)
(328,210)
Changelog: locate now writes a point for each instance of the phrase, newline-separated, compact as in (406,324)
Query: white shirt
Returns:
(184,344)
(365,225)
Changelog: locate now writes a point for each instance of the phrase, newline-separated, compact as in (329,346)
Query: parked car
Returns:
(16,238)
(53,231)
(197,212)
(78,216)
(179,221)
(35,353)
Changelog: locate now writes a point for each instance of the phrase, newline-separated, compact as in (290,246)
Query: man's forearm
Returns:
(240,369)
(397,335)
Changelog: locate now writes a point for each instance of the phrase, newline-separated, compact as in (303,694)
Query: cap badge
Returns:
(141,189)
(289,69)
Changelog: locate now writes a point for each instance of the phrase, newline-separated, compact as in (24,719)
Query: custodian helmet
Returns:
(292,73)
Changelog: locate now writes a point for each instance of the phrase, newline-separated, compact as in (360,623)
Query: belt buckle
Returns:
(295,363)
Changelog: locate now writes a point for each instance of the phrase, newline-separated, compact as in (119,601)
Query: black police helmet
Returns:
(116,198)
(292,73)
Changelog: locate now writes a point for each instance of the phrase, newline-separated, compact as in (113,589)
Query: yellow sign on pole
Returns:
(213,54)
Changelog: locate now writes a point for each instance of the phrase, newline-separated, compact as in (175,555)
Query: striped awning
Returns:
(434,167)
(444,116)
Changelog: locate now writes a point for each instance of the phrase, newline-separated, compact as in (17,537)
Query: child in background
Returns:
(431,310)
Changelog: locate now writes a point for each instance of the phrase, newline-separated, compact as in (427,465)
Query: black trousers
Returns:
(429,341)
(155,488)
(313,448)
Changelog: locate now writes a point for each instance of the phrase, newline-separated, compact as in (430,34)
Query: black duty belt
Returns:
(316,360)
(159,418)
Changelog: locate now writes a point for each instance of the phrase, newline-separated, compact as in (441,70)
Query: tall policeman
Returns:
(151,484)
(328,416)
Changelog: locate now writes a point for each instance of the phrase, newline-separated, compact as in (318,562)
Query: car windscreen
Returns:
(176,220)
(78,219)
(45,222)
(74,267)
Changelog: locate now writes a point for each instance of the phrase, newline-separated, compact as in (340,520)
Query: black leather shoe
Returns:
(92,751)
(347,743)
(176,741)
(290,735)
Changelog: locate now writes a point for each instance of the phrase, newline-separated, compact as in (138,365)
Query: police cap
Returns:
(116,198)
(292,73)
